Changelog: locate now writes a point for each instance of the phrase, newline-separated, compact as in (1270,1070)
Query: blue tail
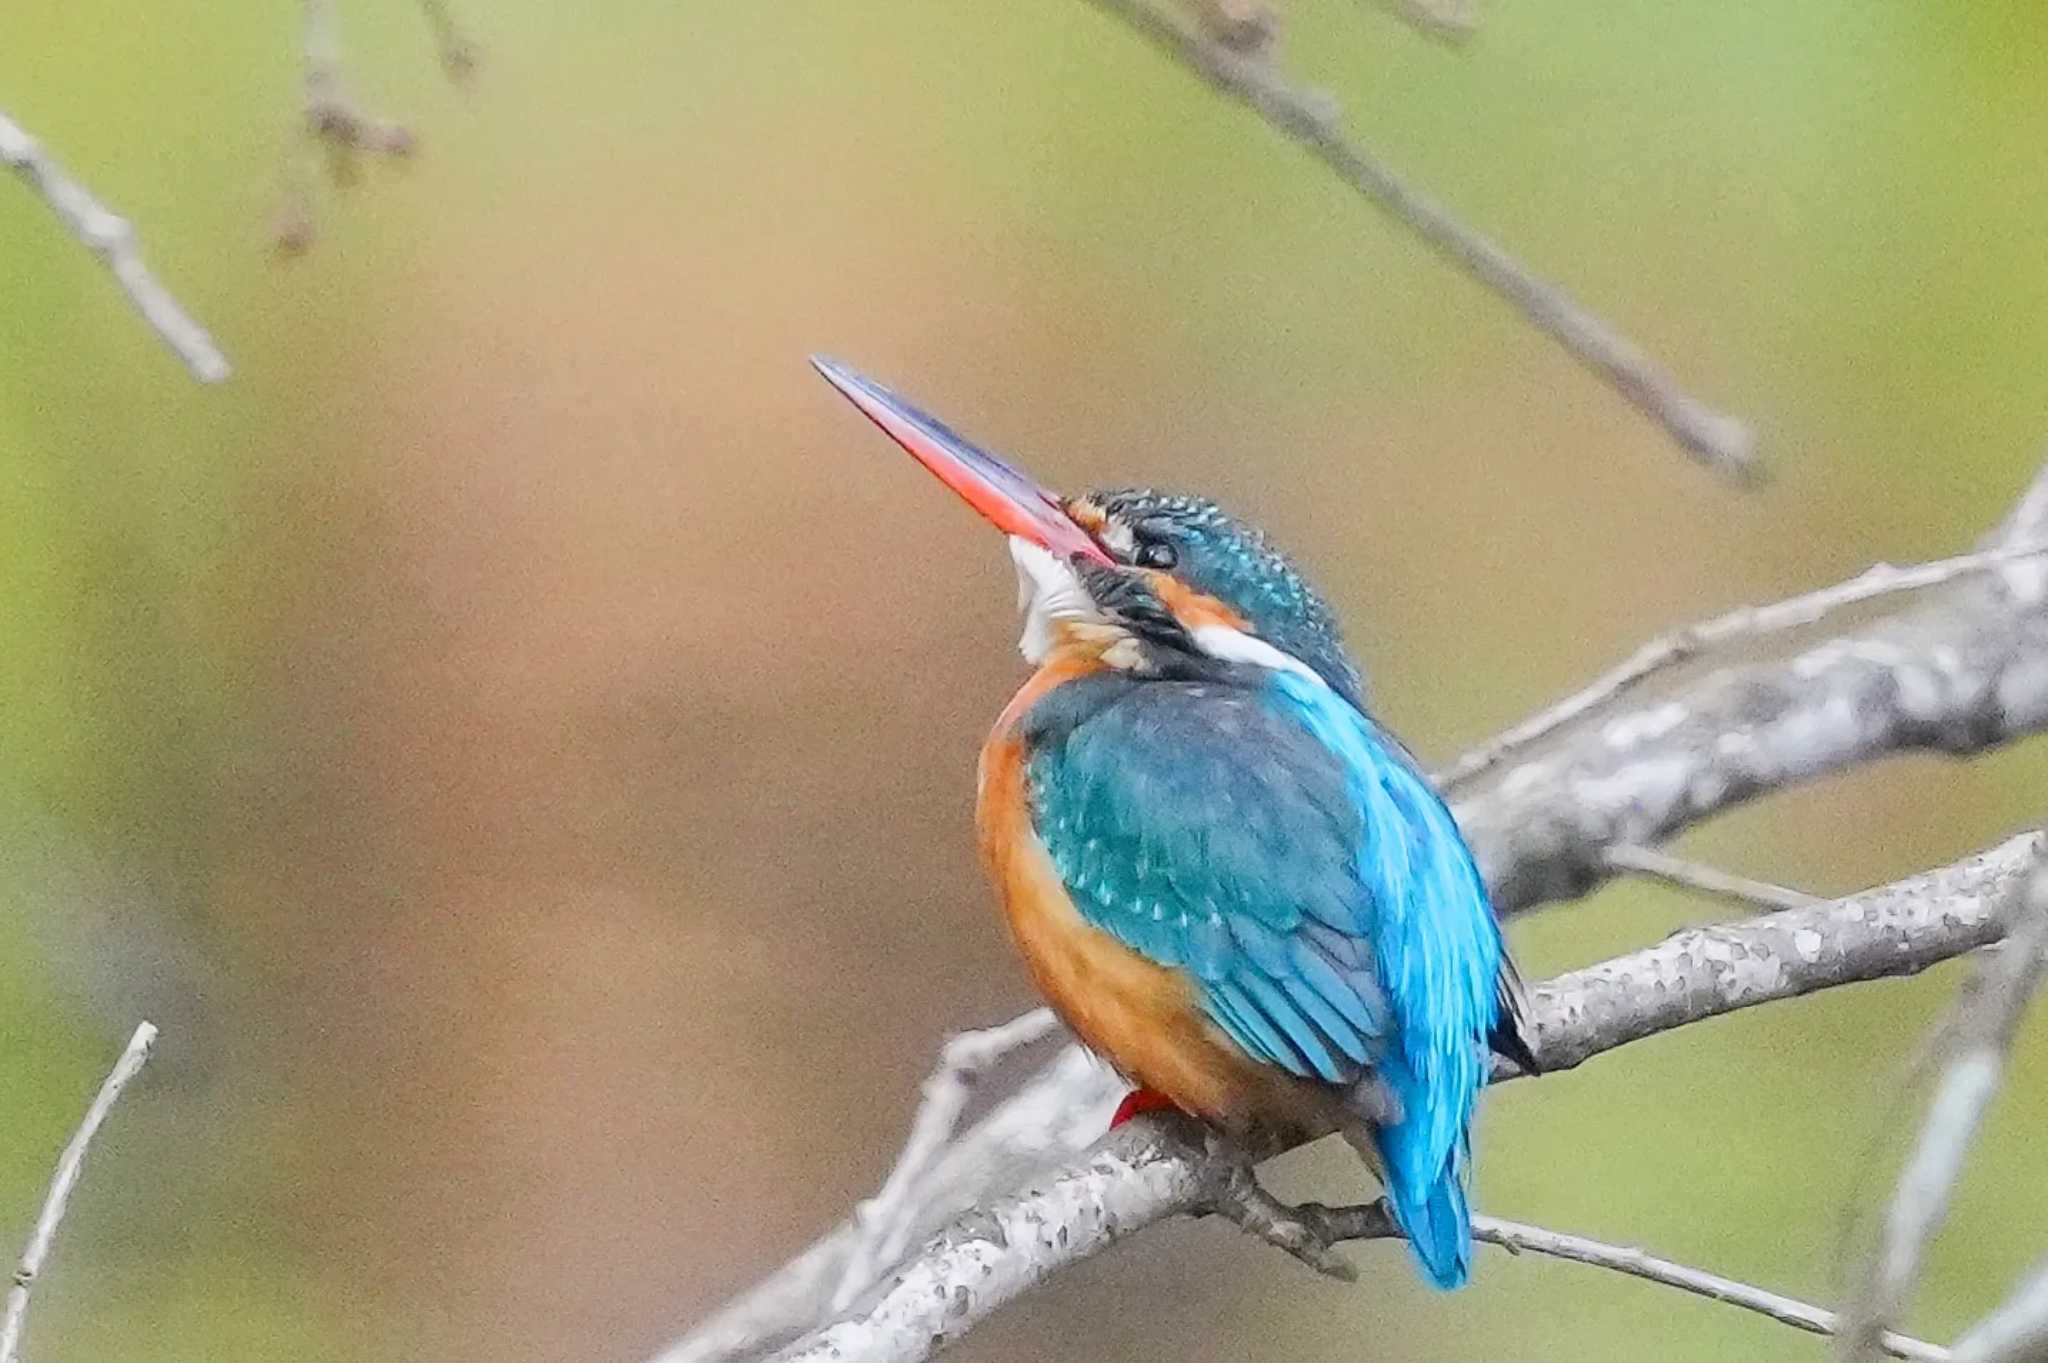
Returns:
(1423,1161)
(1434,1216)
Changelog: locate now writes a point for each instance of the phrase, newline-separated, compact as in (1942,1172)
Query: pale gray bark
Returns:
(1145,1172)
(1958,675)
(69,1166)
(109,236)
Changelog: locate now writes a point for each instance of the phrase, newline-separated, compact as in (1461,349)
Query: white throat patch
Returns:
(1047,590)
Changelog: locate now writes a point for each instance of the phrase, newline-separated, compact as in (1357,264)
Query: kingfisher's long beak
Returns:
(1007,498)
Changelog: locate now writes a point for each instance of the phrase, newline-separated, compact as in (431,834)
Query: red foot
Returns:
(1137,1102)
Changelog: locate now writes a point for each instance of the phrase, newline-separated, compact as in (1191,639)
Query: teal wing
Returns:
(1209,829)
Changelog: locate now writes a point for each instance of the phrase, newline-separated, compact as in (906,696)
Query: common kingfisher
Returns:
(1229,880)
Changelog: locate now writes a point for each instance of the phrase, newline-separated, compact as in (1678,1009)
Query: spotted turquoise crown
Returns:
(1221,556)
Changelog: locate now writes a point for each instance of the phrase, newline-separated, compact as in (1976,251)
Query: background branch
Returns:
(1981,1034)
(339,126)
(2017,1330)
(110,237)
(1660,866)
(1715,439)
(1374,1221)
(69,1166)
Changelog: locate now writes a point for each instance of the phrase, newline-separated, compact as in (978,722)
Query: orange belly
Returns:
(1140,1016)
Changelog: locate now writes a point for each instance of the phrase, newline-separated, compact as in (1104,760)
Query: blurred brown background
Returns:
(517,737)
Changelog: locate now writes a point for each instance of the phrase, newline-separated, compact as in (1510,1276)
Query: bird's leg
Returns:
(1138,1102)
(1308,1231)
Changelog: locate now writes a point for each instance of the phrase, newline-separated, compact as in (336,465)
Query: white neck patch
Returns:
(1048,590)
(1235,646)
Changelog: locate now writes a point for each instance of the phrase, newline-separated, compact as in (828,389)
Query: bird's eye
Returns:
(1157,554)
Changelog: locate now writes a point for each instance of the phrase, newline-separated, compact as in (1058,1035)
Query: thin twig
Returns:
(1448,21)
(1374,1221)
(1981,1032)
(2017,1330)
(1744,622)
(1691,875)
(68,1167)
(110,237)
(885,1220)
(1515,1237)
(458,52)
(1715,439)
(339,126)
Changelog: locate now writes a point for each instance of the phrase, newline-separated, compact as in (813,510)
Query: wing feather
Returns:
(1209,830)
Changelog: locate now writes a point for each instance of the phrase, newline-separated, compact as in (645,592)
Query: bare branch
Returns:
(110,237)
(1055,1115)
(1981,1034)
(2016,1331)
(1375,1221)
(1449,21)
(2028,520)
(885,1220)
(1744,622)
(458,52)
(1897,929)
(1708,880)
(1959,676)
(336,124)
(1717,440)
(69,1165)
(332,114)
(1516,1238)
(1147,1171)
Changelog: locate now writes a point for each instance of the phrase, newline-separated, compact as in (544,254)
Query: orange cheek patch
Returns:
(1191,607)
(1087,515)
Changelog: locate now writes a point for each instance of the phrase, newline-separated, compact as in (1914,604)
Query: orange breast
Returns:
(1142,1017)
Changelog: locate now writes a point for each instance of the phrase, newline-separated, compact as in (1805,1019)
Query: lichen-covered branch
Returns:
(1957,676)
(109,236)
(1898,929)
(1964,670)
(1744,622)
(1145,1172)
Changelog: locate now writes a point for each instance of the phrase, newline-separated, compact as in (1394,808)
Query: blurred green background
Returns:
(517,737)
